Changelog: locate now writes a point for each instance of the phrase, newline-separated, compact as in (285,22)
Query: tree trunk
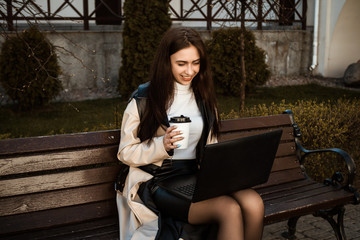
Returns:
(242,58)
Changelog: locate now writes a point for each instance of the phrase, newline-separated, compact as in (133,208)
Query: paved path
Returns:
(310,227)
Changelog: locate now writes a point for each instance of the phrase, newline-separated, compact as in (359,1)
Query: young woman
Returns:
(180,84)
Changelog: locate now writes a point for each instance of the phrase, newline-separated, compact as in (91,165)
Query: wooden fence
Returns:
(258,13)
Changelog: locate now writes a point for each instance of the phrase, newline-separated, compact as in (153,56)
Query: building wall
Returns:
(345,42)
(339,35)
(288,52)
(90,61)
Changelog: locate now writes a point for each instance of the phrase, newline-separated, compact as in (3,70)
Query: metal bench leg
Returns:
(338,226)
(290,234)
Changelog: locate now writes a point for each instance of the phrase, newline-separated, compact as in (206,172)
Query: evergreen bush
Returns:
(225,52)
(323,125)
(145,24)
(29,69)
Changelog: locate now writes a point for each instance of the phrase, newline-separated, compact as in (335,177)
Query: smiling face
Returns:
(185,64)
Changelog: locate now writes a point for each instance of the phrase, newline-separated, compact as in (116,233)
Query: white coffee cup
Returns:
(183,125)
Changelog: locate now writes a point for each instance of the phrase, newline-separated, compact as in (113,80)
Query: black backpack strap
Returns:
(140,96)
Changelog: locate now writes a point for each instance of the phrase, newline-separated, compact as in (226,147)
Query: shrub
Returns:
(146,22)
(29,69)
(323,125)
(225,52)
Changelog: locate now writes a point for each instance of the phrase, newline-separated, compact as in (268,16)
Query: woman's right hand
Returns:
(171,137)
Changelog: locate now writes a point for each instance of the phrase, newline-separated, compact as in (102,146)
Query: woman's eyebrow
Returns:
(183,61)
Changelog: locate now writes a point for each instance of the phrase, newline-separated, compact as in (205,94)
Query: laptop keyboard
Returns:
(186,189)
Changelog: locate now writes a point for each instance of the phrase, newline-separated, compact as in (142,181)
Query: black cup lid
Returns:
(181,119)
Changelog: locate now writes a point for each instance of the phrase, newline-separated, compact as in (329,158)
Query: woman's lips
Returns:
(186,78)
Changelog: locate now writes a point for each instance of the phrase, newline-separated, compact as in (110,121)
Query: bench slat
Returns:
(286,149)
(284,187)
(280,210)
(306,191)
(286,135)
(43,183)
(77,230)
(281,177)
(103,233)
(250,123)
(57,160)
(55,199)
(57,216)
(57,142)
(282,163)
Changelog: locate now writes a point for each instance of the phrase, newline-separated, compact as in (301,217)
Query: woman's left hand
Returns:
(170,138)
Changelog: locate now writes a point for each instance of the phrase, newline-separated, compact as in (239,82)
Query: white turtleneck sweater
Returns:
(185,104)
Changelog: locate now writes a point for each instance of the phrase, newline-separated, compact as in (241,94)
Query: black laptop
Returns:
(230,166)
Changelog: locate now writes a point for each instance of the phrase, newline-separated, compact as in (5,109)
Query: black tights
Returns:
(239,216)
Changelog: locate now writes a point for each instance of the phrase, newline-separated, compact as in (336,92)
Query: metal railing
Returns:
(258,13)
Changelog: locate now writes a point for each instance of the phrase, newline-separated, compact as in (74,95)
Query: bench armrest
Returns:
(303,153)
(345,156)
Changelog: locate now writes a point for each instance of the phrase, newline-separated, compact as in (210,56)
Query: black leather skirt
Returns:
(159,199)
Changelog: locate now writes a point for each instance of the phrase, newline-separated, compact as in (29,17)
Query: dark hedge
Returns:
(29,69)
(146,22)
(225,52)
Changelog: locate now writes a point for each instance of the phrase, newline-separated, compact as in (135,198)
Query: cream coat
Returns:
(137,222)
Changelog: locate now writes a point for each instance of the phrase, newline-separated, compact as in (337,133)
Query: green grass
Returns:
(61,117)
(71,117)
(291,94)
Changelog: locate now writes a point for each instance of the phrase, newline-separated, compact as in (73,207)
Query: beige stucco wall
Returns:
(339,36)
(345,43)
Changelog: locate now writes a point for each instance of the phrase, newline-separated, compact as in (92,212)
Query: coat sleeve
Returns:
(132,151)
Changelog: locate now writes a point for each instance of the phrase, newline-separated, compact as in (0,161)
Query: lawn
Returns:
(91,115)
(290,94)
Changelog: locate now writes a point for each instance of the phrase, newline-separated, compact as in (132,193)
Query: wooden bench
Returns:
(62,187)
(59,187)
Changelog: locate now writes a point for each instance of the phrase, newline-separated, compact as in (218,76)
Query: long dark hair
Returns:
(161,89)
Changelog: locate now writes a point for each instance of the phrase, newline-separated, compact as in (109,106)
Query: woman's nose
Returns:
(189,69)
